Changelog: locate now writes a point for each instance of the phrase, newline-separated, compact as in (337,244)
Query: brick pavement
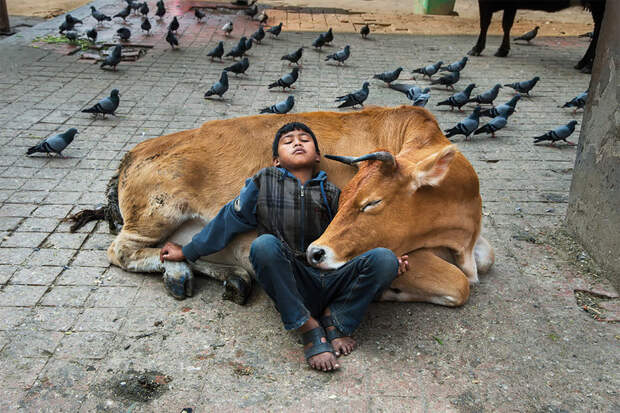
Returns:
(72,326)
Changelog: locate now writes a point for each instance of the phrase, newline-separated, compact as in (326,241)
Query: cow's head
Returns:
(393,201)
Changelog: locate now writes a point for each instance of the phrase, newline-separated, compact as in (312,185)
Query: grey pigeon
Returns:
(135,6)
(458,99)
(429,70)
(69,23)
(281,107)
(124,34)
(467,126)
(217,51)
(578,102)
(174,25)
(114,58)
(365,31)
(525,86)
(505,109)
(54,144)
(144,9)
(319,41)
(456,66)
(238,50)
(199,14)
(275,30)
(287,80)
(389,77)
(558,134)
(72,20)
(422,99)
(123,14)
(293,57)
(97,15)
(328,36)
(106,106)
(341,55)
(92,34)
(239,67)
(412,92)
(248,45)
(356,98)
(447,80)
(259,34)
(72,36)
(146,25)
(227,28)
(493,126)
(172,39)
(251,11)
(161,9)
(263,17)
(529,35)
(487,97)
(220,87)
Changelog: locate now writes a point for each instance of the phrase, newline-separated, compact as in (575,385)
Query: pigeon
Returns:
(467,126)
(287,80)
(113,58)
(259,34)
(456,66)
(388,77)
(341,55)
(218,51)
(422,99)
(174,25)
(72,20)
(525,86)
(238,50)
(247,46)
(529,35)
(227,28)
(505,109)
(487,97)
(123,13)
(72,36)
(69,23)
(328,36)
(319,41)
(365,31)
(146,25)
(199,14)
(161,9)
(135,6)
(447,80)
(55,144)
(220,87)
(281,107)
(144,9)
(172,39)
(92,34)
(356,98)
(239,67)
(412,92)
(106,106)
(124,34)
(558,134)
(458,99)
(493,126)
(294,57)
(275,30)
(97,15)
(429,70)
(578,102)
(263,17)
(251,11)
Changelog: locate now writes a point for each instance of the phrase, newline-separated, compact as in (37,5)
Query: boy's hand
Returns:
(171,252)
(403,264)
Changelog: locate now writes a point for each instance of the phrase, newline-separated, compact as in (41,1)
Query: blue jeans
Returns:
(300,291)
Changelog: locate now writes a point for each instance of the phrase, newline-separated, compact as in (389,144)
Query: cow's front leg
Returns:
(585,64)
(485,20)
(507,22)
(431,279)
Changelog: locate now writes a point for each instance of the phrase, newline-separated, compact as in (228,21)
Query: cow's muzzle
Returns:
(322,257)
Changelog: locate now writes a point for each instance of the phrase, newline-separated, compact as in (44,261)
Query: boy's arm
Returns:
(237,216)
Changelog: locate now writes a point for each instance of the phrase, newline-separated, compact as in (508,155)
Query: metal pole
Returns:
(4,18)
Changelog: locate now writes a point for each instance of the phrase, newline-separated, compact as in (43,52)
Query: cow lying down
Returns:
(424,194)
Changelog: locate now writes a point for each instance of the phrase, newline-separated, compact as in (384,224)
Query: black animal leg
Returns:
(507,21)
(485,20)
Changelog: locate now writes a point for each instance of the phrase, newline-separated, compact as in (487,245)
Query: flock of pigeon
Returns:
(418,96)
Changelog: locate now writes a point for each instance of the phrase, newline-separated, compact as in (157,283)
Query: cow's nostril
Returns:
(318,255)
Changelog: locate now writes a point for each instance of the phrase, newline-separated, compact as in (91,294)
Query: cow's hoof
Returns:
(587,70)
(178,280)
(474,51)
(236,289)
(501,52)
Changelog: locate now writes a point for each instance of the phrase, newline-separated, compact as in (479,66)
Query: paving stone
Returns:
(91,259)
(11,317)
(51,256)
(14,256)
(65,240)
(6,272)
(52,318)
(81,276)
(86,345)
(24,239)
(20,373)
(36,275)
(21,295)
(112,297)
(32,343)
(101,319)
(70,296)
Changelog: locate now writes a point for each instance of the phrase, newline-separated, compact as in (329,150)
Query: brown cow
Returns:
(167,188)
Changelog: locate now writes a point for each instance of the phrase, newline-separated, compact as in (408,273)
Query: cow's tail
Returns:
(110,212)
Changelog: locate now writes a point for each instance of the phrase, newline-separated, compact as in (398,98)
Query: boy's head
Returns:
(295,147)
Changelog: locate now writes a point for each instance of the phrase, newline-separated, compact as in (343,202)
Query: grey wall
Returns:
(594,203)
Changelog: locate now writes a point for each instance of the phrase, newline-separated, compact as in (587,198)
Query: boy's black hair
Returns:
(289,127)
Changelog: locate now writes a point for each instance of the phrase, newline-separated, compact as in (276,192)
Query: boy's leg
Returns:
(279,278)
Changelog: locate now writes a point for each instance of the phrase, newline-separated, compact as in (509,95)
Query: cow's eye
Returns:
(368,205)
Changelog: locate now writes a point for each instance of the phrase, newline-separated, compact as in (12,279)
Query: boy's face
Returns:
(296,150)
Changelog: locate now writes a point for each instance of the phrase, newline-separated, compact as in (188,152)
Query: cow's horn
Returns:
(374,156)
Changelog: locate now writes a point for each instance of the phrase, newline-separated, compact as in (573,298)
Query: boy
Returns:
(290,205)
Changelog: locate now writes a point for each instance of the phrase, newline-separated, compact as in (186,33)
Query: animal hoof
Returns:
(501,53)
(179,282)
(236,289)
(474,52)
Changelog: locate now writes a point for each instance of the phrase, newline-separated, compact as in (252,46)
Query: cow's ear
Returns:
(433,169)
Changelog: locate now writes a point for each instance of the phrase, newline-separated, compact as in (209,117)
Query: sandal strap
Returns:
(327,321)
(314,336)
